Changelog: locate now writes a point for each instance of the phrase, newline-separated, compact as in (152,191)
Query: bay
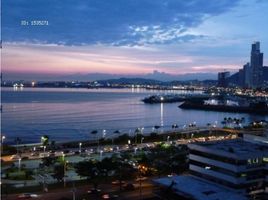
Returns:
(67,114)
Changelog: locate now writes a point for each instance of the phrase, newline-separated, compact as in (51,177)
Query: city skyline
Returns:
(175,37)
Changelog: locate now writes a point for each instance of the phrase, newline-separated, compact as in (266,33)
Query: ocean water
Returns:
(71,114)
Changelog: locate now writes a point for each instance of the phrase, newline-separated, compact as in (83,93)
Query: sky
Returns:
(130,36)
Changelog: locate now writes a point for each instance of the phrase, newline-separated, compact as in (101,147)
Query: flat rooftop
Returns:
(236,146)
(198,189)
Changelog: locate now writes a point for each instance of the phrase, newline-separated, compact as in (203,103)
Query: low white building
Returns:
(236,164)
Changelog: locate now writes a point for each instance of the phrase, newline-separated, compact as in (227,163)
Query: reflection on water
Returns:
(71,114)
(161,114)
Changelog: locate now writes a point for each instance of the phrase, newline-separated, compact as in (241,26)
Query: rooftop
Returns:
(198,189)
(236,146)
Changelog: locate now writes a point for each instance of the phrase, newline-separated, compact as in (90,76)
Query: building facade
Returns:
(256,62)
(253,73)
(223,79)
(236,164)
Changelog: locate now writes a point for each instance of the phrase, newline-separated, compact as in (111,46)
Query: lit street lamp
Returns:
(19,163)
(142,139)
(135,150)
(2,142)
(65,166)
(168,138)
(103,133)
(80,149)
(101,151)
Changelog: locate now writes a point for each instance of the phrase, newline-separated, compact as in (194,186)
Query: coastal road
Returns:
(120,147)
(81,193)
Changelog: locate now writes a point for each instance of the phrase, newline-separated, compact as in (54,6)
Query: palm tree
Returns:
(94,132)
(117,132)
(156,127)
(137,131)
(174,126)
(45,140)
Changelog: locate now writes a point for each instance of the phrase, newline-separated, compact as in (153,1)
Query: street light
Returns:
(2,142)
(80,145)
(44,150)
(142,130)
(142,139)
(19,163)
(168,138)
(104,133)
(135,150)
(101,151)
(73,191)
(65,166)
(63,156)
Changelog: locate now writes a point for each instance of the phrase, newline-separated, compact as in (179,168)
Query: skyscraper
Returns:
(223,79)
(256,62)
(247,75)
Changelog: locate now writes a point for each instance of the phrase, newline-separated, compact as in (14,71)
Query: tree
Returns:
(106,166)
(123,170)
(45,140)
(94,132)
(175,126)
(117,132)
(48,161)
(89,169)
(59,172)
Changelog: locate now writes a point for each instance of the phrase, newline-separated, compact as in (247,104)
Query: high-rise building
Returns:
(247,75)
(241,77)
(256,62)
(223,79)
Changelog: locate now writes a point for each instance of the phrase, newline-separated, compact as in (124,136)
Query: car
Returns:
(94,191)
(34,154)
(15,157)
(28,196)
(129,187)
(142,179)
(117,182)
(109,196)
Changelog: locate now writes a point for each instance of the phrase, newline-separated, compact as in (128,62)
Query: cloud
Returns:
(112,22)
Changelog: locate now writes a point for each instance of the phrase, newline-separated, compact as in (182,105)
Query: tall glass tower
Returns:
(256,62)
